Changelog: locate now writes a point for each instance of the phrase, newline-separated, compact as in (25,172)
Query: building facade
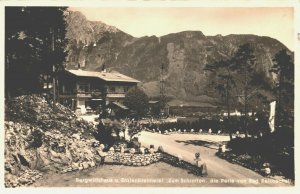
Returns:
(84,90)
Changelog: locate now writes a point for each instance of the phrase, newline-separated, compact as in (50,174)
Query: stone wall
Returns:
(135,159)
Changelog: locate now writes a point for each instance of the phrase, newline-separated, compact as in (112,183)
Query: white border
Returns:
(154,3)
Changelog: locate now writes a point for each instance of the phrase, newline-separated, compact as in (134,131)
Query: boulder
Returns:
(142,150)
(160,149)
(85,165)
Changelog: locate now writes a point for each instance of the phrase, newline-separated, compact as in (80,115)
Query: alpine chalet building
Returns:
(86,90)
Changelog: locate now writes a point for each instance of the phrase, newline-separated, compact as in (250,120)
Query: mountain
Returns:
(183,55)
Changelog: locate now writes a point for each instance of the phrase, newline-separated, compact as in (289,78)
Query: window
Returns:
(83,87)
(113,89)
(63,89)
(126,88)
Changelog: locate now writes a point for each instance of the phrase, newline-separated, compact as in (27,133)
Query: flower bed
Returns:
(255,163)
(177,162)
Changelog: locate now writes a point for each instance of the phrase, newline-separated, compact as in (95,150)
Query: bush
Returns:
(137,101)
(134,143)
(270,148)
(104,134)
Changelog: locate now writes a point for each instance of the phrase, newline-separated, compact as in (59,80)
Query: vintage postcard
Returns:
(149,94)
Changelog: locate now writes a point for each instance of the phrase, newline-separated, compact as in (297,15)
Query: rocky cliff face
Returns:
(183,55)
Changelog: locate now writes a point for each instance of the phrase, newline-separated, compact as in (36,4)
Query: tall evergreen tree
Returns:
(34,43)
(239,77)
(244,65)
(284,88)
(224,85)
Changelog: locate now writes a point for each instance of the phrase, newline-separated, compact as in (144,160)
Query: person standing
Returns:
(101,153)
(202,169)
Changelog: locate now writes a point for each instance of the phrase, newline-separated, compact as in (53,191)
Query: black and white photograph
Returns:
(149,96)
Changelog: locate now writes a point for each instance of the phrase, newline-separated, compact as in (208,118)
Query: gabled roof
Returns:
(190,104)
(153,101)
(120,105)
(106,76)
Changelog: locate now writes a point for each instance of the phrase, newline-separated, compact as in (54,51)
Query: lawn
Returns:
(156,175)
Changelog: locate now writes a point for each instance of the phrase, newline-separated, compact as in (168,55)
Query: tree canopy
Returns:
(137,101)
(239,83)
(283,68)
(34,43)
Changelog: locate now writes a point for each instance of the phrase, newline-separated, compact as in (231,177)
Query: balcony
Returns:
(115,95)
(82,94)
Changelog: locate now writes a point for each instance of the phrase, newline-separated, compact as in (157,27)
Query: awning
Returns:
(96,99)
(120,105)
(153,102)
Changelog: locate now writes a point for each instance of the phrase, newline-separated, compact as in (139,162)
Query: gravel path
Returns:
(186,145)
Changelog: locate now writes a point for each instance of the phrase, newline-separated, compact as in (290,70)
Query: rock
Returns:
(128,163)
(179,157)
(267,171)
(142,150)
(132,151)
(122,150)
(75,166)
(101,146)
(151,150)
(160,149)
(65,140)
(221,148)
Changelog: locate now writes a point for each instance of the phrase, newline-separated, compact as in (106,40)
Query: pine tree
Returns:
(244,64)
(224,85)
(34,44)
(284,89)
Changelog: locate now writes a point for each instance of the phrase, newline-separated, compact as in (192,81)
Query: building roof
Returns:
(106,76)
(153,101)
(190,104)
(120,105)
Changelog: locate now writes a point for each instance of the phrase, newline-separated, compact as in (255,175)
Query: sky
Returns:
(275,22)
